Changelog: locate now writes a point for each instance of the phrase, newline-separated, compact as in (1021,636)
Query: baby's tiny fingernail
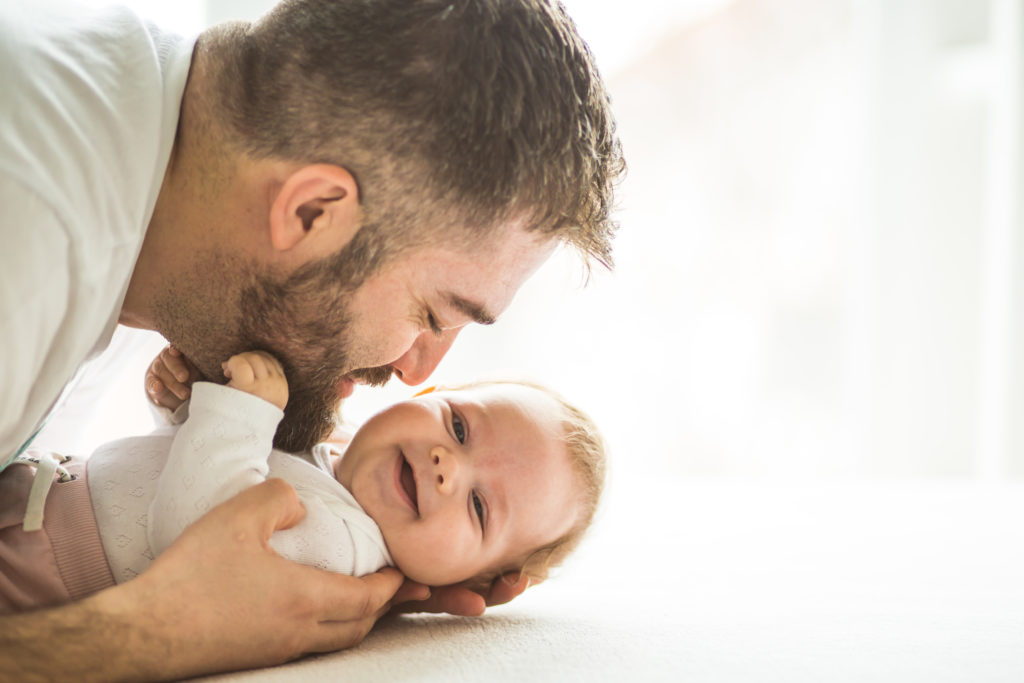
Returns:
(152,387)
(181,376)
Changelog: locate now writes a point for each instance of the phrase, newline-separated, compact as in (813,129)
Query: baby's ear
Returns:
(428,390)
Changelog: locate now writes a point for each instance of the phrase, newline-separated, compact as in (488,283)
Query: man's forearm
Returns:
(84,641)
(219,599)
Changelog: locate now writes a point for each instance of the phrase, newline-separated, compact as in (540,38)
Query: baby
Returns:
(454,486)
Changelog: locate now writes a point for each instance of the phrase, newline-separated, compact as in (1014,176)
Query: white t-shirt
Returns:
(88,113)
(146,490)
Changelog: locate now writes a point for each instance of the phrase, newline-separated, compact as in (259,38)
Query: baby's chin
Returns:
(427,573)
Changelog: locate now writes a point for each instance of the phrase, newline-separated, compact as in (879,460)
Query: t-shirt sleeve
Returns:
(34,295)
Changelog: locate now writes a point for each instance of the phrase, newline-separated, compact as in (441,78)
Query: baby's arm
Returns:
(221,449)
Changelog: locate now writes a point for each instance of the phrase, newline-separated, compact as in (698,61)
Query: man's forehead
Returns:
(513,237)
(479,280)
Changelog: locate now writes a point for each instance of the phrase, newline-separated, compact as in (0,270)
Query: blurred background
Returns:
(819,263)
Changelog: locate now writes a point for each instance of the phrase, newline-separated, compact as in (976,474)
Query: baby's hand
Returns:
(169,378)
(260,374)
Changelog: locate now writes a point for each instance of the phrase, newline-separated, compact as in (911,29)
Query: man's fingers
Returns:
(374,591)
(451,599)
(411,591)
(462,601)
(507,587)
(270,506)
(340,635)
(280,609)
(345,607)
(290,509)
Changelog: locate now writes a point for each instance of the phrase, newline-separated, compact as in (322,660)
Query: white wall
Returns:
(819,257)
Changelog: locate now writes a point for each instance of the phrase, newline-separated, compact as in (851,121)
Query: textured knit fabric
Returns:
(88,113)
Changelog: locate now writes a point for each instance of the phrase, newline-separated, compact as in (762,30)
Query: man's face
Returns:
(464,482)
(400,320)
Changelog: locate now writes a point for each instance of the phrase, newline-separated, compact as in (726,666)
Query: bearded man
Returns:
(343,183)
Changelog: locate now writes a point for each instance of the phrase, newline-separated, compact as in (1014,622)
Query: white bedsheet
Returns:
(719,581)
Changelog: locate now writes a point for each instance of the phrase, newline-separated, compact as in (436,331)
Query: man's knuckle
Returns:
(368,605)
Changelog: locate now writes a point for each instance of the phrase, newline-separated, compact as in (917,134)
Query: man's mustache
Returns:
(374,377)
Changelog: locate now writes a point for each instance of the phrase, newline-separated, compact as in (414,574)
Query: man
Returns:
(343,183)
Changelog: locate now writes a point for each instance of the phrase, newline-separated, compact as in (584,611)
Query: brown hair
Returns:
(449,113)
(587,452)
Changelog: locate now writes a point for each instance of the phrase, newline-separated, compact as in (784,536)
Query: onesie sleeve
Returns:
(336,533)
(220,450)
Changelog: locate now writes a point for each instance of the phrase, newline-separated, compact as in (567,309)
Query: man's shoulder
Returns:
(84,111)
(87,122)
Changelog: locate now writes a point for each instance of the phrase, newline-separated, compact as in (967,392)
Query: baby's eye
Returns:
(458,428)
(478,506)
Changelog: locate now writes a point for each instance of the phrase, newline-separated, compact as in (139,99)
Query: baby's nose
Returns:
(446,469)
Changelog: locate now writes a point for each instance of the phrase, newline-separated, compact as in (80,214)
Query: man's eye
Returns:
(458,428)
(478,506)
(432,323)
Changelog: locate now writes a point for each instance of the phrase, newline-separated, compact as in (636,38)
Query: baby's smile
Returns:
(408,482)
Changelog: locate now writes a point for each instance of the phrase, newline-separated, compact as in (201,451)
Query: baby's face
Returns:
(462,482)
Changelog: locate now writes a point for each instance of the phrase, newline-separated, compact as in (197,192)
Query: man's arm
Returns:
(217,600)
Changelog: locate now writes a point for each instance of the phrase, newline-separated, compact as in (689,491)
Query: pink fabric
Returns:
(63,561)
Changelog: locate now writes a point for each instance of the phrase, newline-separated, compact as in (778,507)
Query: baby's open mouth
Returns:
(409,483)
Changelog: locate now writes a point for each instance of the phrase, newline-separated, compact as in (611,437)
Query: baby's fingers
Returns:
(162,385)
(239,370)
(266,364)
(178,365)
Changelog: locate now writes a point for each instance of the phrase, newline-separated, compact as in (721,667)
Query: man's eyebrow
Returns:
(476,311)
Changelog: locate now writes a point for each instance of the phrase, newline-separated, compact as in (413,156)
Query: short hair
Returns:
(448,113)
(587,453)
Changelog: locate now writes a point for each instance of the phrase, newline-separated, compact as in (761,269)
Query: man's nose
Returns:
(446,469)
(426,352)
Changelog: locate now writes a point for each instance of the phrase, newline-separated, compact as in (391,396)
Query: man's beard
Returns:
(226,306)
(304,322)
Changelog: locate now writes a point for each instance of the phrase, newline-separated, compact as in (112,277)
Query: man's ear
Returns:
(317,206)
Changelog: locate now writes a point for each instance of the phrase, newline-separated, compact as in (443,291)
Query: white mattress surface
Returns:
(721,581)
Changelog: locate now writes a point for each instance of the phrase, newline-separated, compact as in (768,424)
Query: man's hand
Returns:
(170,377)
(218,599)
(229,600)
(258,373)
(456,599)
